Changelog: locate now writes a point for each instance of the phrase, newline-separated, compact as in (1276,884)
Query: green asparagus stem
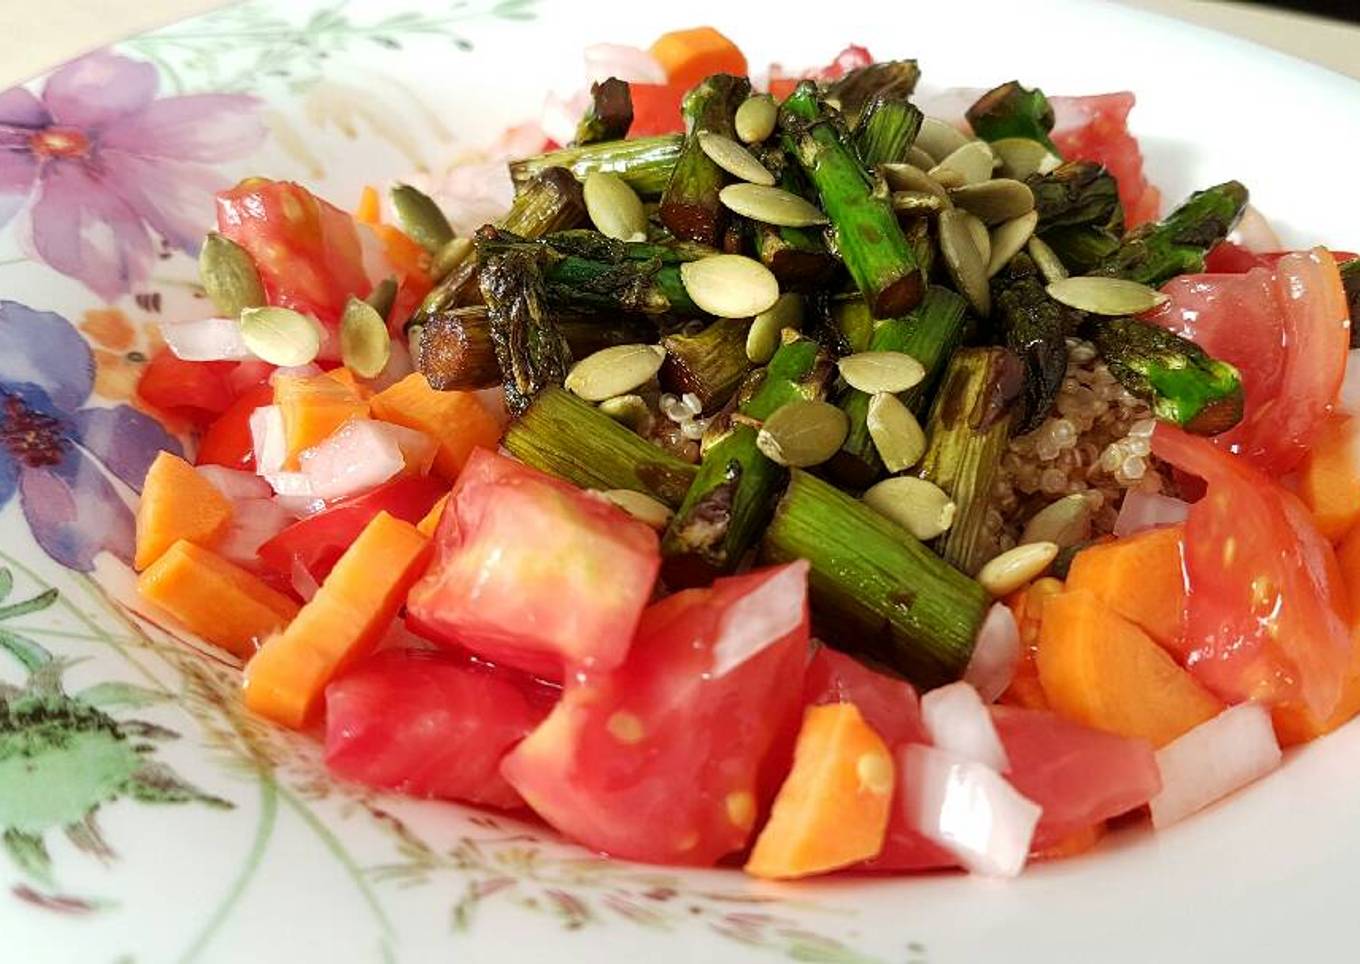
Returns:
(732,495)
(969,426)
(869,239)
(929,334)
(1155,253)
(855,91)
(887,128)
(1350,280)
(530,348)
(1080,216)
(853,323)
(796,256)
(609,115)
(1013,111)
(573,440)
(876,591)
(645,163)
(1035,327)
(709,364)
(1181,382)
(690,207)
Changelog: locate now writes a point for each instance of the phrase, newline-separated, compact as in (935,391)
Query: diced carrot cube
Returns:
(456,420)
(177,503)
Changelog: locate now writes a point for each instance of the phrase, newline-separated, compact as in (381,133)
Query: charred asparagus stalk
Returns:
(886,129)
(609,115)
(710,363)
(868,237)
(690,207)
(876,591)
(1013,111)
(530,349)
(1350,280)
(969,426)
(573,440)
(645,163)
(1080,216)
(1181,382)
(1035,327)
(732,495)
(796,256)
(856,90)
(1156,253)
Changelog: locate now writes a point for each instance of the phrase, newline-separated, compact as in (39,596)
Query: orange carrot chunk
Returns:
(177,503)
(688,56)
(1027,605)
(833,808)
(430,523)
(1329,478)
(343,622)
(214,598)
(313,407)
(1099,669)
(456,420)
(1140,577)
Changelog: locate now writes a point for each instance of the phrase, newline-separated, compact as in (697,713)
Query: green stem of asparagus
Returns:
(868,237)
(886,130)
(573,440)
(530,348)
(709,364)
(1035,327)
(1013,111)
(1350,281)
(690,208)
(1080,216)
(609,115)
(1155,253)
(855,91)
(876,591)
(646,163)
(797,257)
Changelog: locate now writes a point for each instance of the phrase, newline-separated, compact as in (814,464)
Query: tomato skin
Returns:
(196,391)
(431,724)
(1095,128)
(1227,257)
(318,541)
(306,250)
(227,441)
(656,109)
(1266,607)
(659,759)
(534,573)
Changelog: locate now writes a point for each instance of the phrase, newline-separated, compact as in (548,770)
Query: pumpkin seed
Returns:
(421,218)
(982,240)
(229,276)
(997,200)
(963,261)
(763,337)
(917,202)
(280,336)
(1016,567)
(733,158)
(614,207)
(908,177)
(1008,238)
(921,507)
(382,296)
(365,345)
(771,205)
(919,158)
(973,162)
(897,434)
(630,410)
(1047,260)
(756,118)
(729,285)
(1066,522)
(1020,157)
(1105,296)
(881,371)
(946,177)
(803,433)
(938,138)
(640,506)
(450,256)
(614,371)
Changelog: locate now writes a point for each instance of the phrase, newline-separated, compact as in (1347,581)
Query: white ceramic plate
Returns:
(146,818)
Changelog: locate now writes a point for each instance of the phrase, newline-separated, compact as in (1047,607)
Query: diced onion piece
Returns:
(300,506)
(967,808)
(207,339)
(631,64)
(417,449)
(761,617)
(291,485)
(1147,510)
(235,484)
(1348,399)
(1217,757)
(253,523)
(268,439)
(561,114)
(1254,232)
(995,654)
(959,723)
(356,457)
(373,253)
(304,583)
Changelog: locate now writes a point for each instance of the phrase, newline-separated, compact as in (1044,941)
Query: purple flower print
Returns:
(56,453)
(103,160)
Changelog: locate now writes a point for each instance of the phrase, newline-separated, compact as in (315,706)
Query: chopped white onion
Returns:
(476,192)
(1147,510)
(291,485)
(561,114)
(304,583)
(207,339)
(417,449)
(268,439)
(308,370)
(300,506)
(631,64)
(995,654)
(958,722)
(1211,761)
(355,457)
(967,808)
(1254,232)
(235,484)
(253,523)
(1348,398)
(760,618)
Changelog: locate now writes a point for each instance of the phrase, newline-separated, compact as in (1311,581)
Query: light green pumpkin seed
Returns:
(1009,238)
(973,162)
(450,256)
(896,433)
(421,218)
(982,238)
(1066,522)
(630,410)
(919,158)
(280,336)
(803,433)
(755,118)
(733,158)
(614,207)
(994,201)
(1047,260)
(918,203)
(963,260)
(764,335)
(938,138)
(614,371)
(365,345)
(229,276)
(1020,157)
(1016,567)
(771,205)
(1105,296)
(921,507)
(383,295)
(909,177)
(881,371)
(729,285)
(640,506)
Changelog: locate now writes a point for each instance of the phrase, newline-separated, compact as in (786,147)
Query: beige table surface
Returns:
(37,35)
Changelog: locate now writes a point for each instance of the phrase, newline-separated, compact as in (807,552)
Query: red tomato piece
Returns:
(1095,128)
(227,441)
(532,572)
(1266,609)
(656,109)
(196,391)
(1228,257)
(431,725)
(659,759)
(318,541)
(1080,776)
(1245,320)
(307,251)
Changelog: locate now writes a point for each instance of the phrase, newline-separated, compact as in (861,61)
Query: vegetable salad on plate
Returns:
(797,472)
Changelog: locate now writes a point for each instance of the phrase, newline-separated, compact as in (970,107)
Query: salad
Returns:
(813,478)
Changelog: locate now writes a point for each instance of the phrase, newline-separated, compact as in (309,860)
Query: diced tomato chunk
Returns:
(1095,128)
(656,109)
(196,391)
(227,441)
